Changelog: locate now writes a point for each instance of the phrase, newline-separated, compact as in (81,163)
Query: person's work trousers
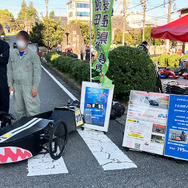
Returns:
(4,94)
(82,57)
(24,104)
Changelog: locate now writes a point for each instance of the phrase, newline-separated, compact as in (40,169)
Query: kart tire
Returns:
(58,134)
(5,119)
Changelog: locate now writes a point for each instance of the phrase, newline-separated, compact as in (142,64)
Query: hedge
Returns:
(166,60)
(129,69)
(77,69)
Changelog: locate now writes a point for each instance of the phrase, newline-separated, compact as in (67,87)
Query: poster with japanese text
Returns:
(146,122)
(176,144)
(96,104)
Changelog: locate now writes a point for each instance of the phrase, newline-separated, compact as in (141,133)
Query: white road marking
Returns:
(60,85)
(108,155)
(43,164)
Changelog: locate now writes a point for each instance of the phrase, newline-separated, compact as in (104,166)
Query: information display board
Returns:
(176,144)
(146,122)
(96,102)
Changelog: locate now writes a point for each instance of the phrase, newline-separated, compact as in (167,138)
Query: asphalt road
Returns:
(84,170)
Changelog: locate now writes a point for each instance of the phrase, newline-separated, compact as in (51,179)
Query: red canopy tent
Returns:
(176,30)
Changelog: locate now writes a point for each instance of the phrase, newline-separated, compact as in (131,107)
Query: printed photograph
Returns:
(157,139)
(178,136)
(159,129)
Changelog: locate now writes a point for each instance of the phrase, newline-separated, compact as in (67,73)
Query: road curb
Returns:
(65,78)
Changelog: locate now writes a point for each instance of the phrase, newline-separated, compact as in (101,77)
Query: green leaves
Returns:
(6,17)
(131,69)
(75,68)
(52,14)
(39,33)
(166,60)
(27,17)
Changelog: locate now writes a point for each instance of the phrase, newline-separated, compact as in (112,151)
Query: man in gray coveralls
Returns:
(24,73)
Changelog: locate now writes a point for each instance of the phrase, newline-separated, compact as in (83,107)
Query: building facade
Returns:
(78,10)
(183,12)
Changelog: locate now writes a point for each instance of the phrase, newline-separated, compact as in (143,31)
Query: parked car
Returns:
(153,103)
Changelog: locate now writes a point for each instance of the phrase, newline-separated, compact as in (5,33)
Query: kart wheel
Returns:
(6,119)
(58,140)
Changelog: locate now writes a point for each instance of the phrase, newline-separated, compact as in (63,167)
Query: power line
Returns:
(156,7)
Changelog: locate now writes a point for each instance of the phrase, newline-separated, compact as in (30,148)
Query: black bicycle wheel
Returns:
(58,140)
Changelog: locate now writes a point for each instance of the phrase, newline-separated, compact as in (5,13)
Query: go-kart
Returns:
(167,73)
(159,130)
(185,75)
(180,71)
(181,137)
(44,133)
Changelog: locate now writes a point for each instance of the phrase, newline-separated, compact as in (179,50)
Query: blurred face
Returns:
(21,42)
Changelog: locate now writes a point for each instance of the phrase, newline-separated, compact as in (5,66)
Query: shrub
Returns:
(131,69)
(163,60)
(77,69)
(174,60)
(48,56)
(54,57)
(184,57)
(156,59)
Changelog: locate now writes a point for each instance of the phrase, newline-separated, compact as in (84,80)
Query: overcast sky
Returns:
(160,12)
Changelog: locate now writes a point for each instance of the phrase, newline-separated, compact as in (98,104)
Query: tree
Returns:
(118,36)
(23,11)
(32,12)
(39,33)
(131,37)
(27,16)
(52,14)
(147,37)
(6,17)
(85,30)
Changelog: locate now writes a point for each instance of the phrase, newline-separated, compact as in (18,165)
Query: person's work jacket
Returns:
(4,56)
(25,70)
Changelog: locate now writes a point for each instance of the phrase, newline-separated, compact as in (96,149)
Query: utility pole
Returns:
(59,13)
(47,23)
(124,20)
(144,19)
(169,19)
(169,10)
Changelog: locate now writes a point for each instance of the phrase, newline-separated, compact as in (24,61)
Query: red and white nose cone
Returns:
(13,154)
